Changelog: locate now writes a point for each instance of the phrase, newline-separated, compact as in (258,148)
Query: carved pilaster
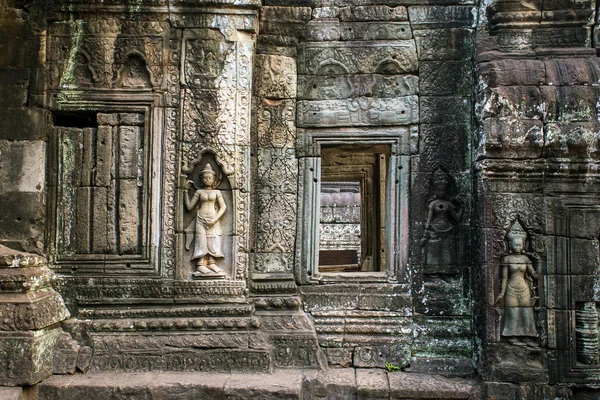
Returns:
(29,313)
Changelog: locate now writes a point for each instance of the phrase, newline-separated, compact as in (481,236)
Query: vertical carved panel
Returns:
(277,165)
(216,75)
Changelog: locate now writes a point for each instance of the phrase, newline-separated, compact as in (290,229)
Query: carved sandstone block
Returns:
(375,31)
(517,101)
(129,152)
(578,71)
(585,257)
(572,139)
(22,165)
(363,111)
(445,78)
(511,138)
(328,87)
(514,73)
(275,76)
(563,37)
(373,13)
(570,103)
(358,57)
(444,110)
(444,44)
(428,17)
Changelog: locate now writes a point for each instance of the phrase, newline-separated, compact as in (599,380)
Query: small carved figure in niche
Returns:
(517,289)
(83,73)
(133,74)
(205,230)
(439,240)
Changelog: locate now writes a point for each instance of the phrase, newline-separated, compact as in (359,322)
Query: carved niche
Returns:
(440,244)
(207,221)
(519,288)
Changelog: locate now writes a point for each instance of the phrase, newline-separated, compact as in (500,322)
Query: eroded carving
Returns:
(518,289)
(586,333)
(444,211)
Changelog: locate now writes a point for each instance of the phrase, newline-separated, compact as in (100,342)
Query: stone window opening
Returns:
(355,199)
(352,197)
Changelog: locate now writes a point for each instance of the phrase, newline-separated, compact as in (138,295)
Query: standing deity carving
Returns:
(440,238)
(205,232)
(517,290)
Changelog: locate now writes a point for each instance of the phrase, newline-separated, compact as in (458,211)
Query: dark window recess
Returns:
(80,119)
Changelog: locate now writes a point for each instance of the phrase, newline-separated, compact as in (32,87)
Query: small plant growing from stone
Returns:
(391,367)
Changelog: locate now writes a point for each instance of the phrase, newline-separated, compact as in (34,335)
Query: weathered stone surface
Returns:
(371,384)
(570,103)
(14,87)
(444,110)
(373,13)
(428,17)
(445,78)
(515,73)
(358,57)
(517,101)
(375,31)
(512,138)
(403,385)
(21,166)
(444,44)
(572,139)
(358,112)
(501,97)
(10,393)
(582,71)
(21,217)
(23,124)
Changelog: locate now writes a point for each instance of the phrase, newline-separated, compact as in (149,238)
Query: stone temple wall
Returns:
(162,165)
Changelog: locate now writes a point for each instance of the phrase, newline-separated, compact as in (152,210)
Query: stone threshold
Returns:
(282,384)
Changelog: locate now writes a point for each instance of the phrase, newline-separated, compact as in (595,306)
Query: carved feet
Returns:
(207,269)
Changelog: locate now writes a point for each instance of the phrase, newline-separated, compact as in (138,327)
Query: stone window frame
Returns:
(396,210)
(149,263)
(560,299)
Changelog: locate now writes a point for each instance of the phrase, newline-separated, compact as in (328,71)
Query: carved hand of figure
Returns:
(189,184)
(210,222)
(425,237)
(457,203)
(499,298)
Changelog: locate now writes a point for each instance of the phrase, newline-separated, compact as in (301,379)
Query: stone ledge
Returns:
(347,383)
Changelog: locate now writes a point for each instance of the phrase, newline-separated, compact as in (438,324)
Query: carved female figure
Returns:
(439,238)
(516,292)
(206,227)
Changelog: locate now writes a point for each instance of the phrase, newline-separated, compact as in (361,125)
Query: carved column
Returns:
(30,311)
(276,191)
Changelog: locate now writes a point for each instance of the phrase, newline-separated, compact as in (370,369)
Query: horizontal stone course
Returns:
(283,384)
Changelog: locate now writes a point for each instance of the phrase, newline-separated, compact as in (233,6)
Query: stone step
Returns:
(344,383)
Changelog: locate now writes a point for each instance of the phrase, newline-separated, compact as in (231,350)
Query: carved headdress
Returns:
(440,178)
(516,231)
(208,170)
